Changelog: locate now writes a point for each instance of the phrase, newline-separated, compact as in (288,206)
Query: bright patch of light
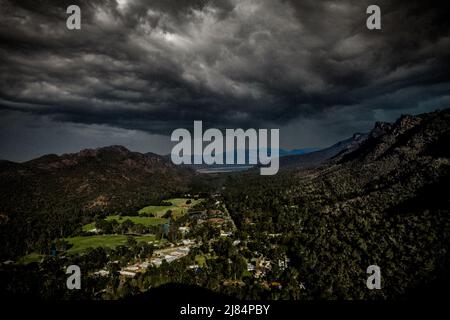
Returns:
(122,4)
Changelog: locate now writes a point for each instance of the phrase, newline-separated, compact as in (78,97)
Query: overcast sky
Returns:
(139,69)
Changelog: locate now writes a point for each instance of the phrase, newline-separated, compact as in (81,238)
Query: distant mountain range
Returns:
(297,158)
(109,178)
(248,157)
(316,158)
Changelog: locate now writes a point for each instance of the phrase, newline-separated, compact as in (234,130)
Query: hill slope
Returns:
(52,196)
(384,203)
(316,158)
(110,178)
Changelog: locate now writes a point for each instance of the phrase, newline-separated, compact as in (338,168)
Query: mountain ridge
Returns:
(89,175)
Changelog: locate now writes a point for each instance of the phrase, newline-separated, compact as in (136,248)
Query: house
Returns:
(275,235)
(261,266)
(193,267)
(213,212)
(132,268)
(102,273)
(156,262)
(169,258)
(283,263)
(276,284)
(184,230)
(184,250)
(127,273)
(217,221)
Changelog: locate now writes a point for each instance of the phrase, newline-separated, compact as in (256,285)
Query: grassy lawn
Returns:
(200,260)
(146,221)
(108,241)
(82,243)
(29,258)
(178,207)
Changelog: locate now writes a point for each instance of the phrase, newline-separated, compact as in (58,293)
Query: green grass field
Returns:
(178,207)
(108,241)
(29,258)
(80,244)
(146,221)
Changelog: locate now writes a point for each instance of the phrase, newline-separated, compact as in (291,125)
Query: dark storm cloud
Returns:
(158,65)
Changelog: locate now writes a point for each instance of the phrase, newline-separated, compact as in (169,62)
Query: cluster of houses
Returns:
(260,266)
(168,254)
(171,254)
(215,217)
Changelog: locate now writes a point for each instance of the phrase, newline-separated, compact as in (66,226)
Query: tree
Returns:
(238,266)
(131,241)
(168,214)
(126,226)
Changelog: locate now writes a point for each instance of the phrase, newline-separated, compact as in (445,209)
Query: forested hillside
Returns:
(53,195)
(385,203)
